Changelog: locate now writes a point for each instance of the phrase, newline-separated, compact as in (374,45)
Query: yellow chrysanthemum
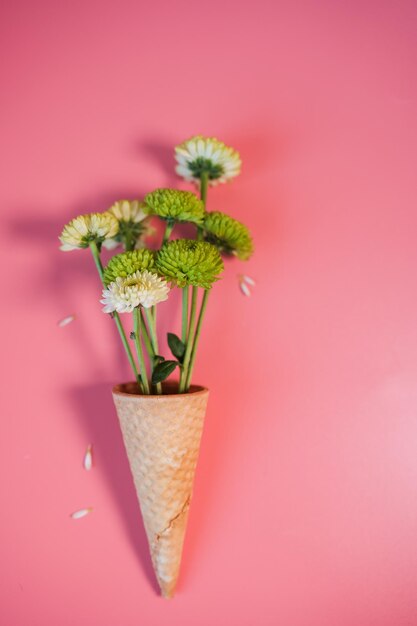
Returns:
(200,155)
(84,229)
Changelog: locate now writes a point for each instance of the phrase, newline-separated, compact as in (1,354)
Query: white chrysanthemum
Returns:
(84,229)
(128,211)
(207,154)
(134,224)
(141,288)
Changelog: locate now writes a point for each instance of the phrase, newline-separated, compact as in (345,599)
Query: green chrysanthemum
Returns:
(228,235)
(127,263)
(189,262)
(175,206)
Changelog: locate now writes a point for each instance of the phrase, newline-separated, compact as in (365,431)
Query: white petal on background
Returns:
(201,148)
(248,279)
(244,288)
(209,150)
(81,513)
(182,159)
(182,170)
(192,149)
(88,458)
(66,320)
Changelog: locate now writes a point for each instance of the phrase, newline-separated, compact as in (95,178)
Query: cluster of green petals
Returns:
(189,262)
(229,235)
(175,205)
(127,263)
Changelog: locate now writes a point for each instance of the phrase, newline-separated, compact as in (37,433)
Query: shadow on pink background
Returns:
(305,507)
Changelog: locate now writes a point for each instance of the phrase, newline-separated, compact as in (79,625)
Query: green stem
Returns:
(196,338)
(129,241)
(194,335)
(97,260)
(190,341)
(138,342)
(168,231)
(150,316)
(148,344)
(96,256)
(203,196)
(152,330)
(185,292)
(203,187)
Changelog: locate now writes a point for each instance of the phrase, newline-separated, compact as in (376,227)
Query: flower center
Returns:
(132,282)
(221,244)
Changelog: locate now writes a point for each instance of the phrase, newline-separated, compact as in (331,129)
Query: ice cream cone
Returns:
(162,439)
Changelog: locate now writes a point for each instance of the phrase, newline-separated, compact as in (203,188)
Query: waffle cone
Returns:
(162,439)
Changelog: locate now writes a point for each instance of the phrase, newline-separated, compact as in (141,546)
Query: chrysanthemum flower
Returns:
(189,262)
(138,289)
(127,263)
(207,154)
(228,235)
(128,211)
(134,223)
(175,205)
(84,229)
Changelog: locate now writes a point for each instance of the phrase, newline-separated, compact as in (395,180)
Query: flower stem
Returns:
(151,317)
(203,196)
(96,256)
(168,231)
(190,340)
(97,260)
(185,292)
(138,341)
(148,344)
(129,241)
(196,338)
(203,187)
(204,179)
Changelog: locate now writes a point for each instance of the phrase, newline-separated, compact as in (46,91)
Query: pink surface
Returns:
(305,501)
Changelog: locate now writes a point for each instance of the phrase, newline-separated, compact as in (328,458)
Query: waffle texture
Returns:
(162,438)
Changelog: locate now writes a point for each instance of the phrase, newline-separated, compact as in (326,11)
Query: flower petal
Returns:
(81,513)
(66,320)
(88,458)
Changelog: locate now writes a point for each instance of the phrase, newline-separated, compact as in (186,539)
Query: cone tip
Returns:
(167,590)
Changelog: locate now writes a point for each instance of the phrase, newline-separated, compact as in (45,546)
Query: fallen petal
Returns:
(81,513)
(66,320)
(244,289)
(88,458)
(249,280)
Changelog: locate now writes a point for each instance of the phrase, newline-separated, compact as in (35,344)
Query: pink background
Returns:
(305,506)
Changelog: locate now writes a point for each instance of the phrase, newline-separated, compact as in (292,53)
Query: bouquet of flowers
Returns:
(161,419)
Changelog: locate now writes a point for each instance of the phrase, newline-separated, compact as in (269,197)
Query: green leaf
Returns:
(163,370)
(176,346)
(157,359)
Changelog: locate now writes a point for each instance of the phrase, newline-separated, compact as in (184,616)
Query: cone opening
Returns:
(169,388)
